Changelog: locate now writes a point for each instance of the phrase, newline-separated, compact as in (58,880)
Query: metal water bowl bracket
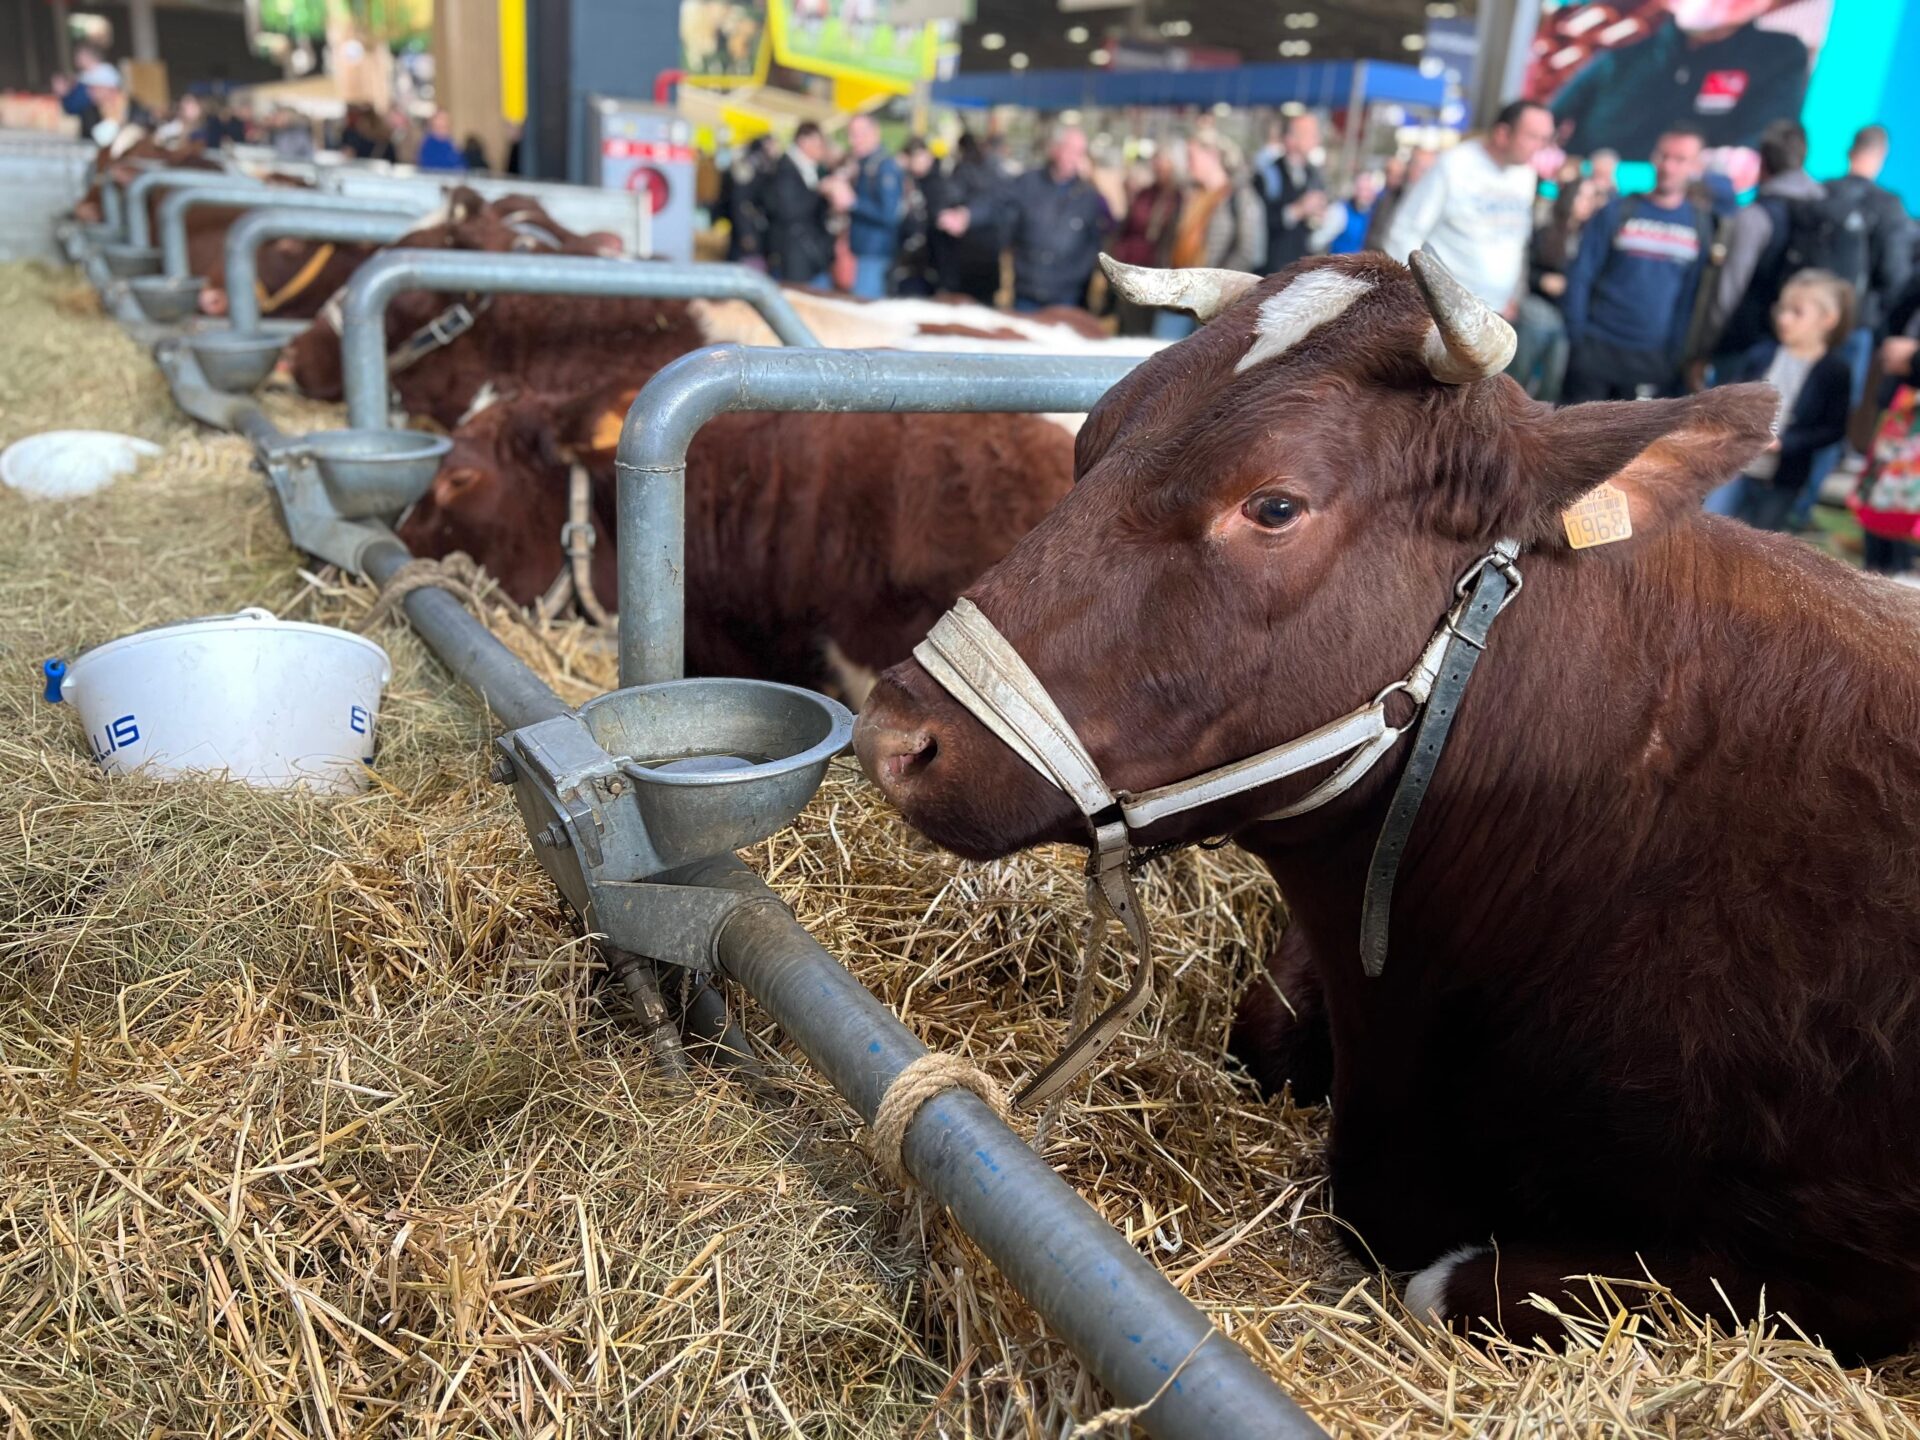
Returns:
(374,473)
(129,260)
(167,297)
(236,361)
(643,781)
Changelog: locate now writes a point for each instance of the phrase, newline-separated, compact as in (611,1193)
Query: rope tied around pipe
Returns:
(925,1078)
(461,576)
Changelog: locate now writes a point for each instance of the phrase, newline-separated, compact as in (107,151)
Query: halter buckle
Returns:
(582,528)
(1500,558)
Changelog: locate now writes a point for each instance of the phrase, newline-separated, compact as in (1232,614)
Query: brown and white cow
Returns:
(554,345)
(537,344)
(818,546)
(1652,1001)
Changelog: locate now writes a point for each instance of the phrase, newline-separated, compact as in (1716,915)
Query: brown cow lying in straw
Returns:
(1652,997)
(546,344)
(570,345)
(818,546)
(295,276)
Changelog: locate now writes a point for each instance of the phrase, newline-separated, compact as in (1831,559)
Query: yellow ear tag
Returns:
(1601,517)
(606,431)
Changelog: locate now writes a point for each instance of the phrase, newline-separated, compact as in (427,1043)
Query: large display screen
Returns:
(1617,74)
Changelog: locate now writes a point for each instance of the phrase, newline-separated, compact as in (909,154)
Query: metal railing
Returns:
(251,231)
(652,459)
(244,195)
(363,337)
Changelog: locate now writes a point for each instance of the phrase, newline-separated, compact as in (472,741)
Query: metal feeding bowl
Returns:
(375,473)
(718,764)
(124,260)
(167,297)
(236,360)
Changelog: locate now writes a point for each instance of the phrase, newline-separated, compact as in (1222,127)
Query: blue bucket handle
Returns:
(55,672)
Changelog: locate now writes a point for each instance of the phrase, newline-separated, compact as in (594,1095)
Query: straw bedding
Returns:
(315,1120)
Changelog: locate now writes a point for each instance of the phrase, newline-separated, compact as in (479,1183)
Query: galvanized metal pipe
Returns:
(366,224)
(651,464)
(209,406)
(243,194)
(511,690)
(113,206)
(1143,1340)
(167,176)
(363,337)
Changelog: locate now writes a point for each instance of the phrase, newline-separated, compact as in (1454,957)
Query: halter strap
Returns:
(970,659)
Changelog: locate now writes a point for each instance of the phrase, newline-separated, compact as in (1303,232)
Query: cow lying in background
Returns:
(1652,1001)
(537,344)
(295,276)
(568,344)
(818,546)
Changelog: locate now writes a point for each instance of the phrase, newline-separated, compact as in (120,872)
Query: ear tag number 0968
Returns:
(1601,517)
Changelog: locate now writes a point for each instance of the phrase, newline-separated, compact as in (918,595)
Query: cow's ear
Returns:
(451,485)
(590,428)
(1663,455)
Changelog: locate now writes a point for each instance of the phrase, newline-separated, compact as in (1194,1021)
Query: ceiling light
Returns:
(992,40)
(1174,29)
(1017,60)
(1413,42)
(1102,56)
(1069,117)
(1432,66)
(1302,47)
(1441,10)
(1077,35)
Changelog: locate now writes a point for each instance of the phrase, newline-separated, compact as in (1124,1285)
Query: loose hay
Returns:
(314,1122)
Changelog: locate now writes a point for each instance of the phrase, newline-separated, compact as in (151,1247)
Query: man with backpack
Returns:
(1886,259)
(1630,288)
(1793,224)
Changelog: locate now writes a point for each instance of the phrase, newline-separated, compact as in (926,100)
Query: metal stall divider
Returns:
(363,331)
(246,195)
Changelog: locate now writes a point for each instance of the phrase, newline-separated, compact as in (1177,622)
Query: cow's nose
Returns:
(893,756)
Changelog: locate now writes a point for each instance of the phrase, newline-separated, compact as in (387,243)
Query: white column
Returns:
(146,35)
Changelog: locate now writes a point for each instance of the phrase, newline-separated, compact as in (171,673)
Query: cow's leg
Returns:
(1281,1033)
(1859,1315)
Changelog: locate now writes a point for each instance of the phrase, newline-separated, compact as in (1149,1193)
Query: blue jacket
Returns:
(438,152)
(874,223)
(1633,282)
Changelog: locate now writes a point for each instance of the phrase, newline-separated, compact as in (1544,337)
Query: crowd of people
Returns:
(1809,284)
(98,95)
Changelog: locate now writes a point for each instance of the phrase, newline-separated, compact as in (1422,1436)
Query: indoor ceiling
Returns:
(1256,29)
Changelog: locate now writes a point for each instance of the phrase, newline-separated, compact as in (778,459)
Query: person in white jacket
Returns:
(1475,207)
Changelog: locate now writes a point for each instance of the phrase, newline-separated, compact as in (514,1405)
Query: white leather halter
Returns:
(975,664)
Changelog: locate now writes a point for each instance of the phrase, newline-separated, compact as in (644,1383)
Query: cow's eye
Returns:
(1274,512)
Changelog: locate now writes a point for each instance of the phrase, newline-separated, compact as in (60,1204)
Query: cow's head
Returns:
(465,222)
(1265,528)
(501,494)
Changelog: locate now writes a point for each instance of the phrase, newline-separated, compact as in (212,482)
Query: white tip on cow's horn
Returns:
(1468,340)
(1205,292)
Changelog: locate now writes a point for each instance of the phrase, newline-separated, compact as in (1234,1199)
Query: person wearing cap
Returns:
(110,107)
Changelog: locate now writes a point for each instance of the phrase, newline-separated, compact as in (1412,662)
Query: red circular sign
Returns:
(655,184)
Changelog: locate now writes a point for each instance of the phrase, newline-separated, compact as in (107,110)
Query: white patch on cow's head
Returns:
(485,398)
(1427,1291)
(1297,311)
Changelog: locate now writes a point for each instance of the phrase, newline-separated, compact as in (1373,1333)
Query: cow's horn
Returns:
(1205,292)
(1468,341)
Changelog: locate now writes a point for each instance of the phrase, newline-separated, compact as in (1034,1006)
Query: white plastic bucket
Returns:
(270,702)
